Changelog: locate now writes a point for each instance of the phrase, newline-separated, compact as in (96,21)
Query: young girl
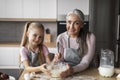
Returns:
(33,52)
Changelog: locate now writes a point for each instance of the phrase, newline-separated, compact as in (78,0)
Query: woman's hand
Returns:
(56,57)
(44,70)
(68,72)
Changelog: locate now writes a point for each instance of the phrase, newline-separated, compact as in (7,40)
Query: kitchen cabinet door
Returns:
(27,10)
(9,56)
(31,8)
(39,9)
(64,6)
(48,9)
(10,8)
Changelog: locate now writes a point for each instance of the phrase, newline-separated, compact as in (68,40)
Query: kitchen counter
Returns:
(9,54)
(8,44)
(89,72)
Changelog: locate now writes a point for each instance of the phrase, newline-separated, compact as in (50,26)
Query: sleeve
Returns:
(89,55)
(23,54)
(45,50)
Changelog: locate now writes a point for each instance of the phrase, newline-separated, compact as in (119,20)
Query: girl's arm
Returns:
(34,69)
(24,60)
(29,68)
(88,56)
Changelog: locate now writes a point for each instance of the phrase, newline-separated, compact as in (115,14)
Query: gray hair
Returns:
(78,12)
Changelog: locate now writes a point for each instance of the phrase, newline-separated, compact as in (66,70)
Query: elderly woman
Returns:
(76,45)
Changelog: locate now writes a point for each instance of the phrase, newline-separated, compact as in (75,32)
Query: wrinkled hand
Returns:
(44,70)
(68,72)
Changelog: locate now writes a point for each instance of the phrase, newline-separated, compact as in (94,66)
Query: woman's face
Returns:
(73,25)
(35,36)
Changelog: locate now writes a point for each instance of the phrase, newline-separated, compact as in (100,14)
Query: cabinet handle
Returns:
(118,23)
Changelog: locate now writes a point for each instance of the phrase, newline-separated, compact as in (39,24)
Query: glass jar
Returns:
(106,67)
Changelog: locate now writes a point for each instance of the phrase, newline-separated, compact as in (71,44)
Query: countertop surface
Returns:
(89,72)
(8,44)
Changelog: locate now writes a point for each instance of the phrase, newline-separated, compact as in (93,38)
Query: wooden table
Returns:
(95,73)
(88,72)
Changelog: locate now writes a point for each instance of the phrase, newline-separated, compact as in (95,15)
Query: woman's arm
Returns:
(89,55)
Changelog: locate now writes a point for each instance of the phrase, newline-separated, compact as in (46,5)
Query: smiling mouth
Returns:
(35,42)
(71,31)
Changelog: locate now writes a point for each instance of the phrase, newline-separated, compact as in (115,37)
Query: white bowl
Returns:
(57,69)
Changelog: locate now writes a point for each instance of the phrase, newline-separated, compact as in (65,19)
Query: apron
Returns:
(72,56)
(33,59)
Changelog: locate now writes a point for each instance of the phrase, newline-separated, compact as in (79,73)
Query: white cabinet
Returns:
(48,9)
(10,9)
(40,9)
(9,56)
(44,9)
(64,6)
(31,9)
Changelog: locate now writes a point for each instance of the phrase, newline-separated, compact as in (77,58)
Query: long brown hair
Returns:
(24,41)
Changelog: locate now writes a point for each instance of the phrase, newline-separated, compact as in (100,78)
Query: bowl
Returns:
(57,68)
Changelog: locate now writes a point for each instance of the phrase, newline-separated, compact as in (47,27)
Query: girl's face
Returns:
(35,36)
(73,25)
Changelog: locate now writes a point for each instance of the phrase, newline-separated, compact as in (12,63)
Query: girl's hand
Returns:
(44,70)
(68,72)
(56,57)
